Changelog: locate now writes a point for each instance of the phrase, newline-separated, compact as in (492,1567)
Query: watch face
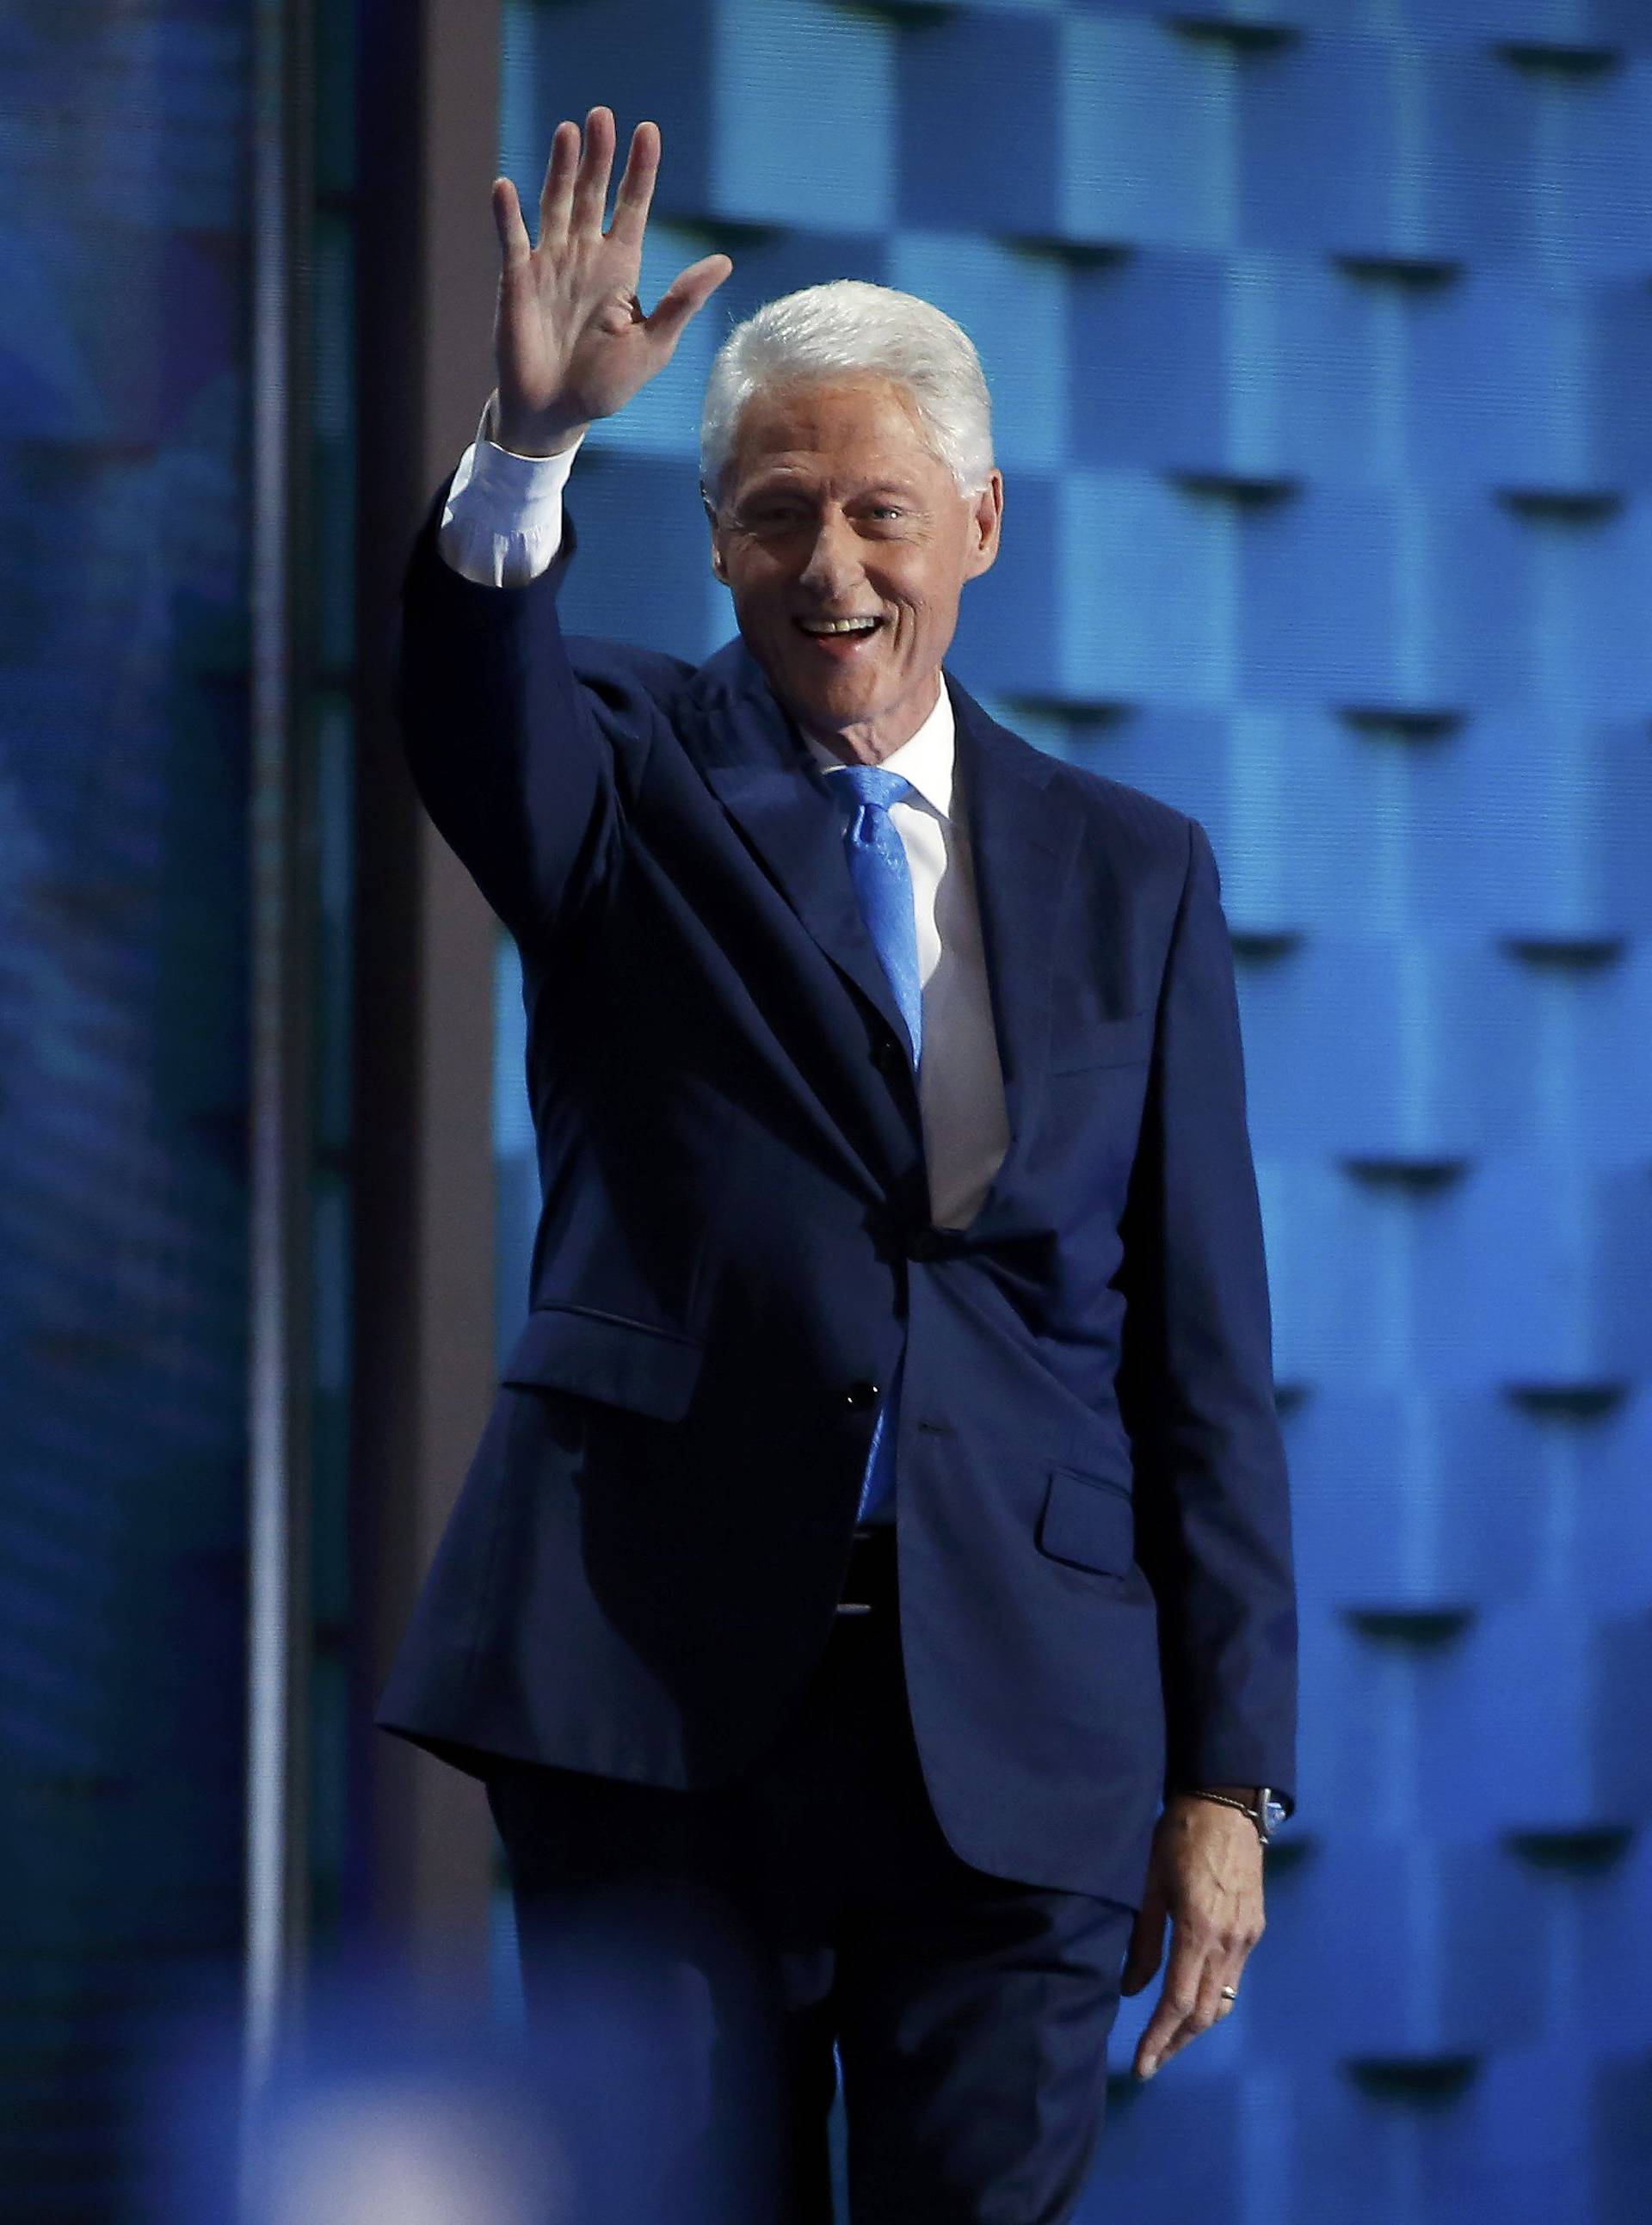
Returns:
(1273,1813)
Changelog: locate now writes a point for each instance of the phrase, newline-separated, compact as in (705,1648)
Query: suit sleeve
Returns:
(522,766)
(1196,1380)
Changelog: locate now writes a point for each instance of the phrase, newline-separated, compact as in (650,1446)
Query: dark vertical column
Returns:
(123,1073)
(424,953)
(304,161)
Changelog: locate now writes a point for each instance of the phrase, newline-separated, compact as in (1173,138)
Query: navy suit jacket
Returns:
(641,1569)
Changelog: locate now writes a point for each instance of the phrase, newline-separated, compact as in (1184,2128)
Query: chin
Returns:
(833,707)
(845,706)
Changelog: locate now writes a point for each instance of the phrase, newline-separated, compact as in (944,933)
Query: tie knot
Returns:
(870,784)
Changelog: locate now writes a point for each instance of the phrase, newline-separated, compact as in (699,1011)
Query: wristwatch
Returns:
(1268,1813)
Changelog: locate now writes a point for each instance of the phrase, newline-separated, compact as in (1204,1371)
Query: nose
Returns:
(834,563)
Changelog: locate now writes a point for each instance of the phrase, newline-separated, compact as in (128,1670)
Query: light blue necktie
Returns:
(882,879)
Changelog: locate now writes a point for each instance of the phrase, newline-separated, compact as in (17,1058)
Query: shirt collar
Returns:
(926,758)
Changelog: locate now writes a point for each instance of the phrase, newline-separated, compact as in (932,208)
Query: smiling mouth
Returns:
(833,628)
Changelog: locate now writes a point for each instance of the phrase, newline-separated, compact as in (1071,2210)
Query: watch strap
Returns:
(1256,1810)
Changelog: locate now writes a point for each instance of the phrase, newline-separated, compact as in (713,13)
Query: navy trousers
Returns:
(698,1966)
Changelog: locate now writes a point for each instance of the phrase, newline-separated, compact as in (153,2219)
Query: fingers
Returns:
(507,222)
(635,194)
(687,293)
(556,194)
(1147,1941)
(1192,1999)
(595,168)
(1221,1969)
(1177,2004)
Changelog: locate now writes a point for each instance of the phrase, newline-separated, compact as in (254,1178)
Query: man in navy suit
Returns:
(872,1590)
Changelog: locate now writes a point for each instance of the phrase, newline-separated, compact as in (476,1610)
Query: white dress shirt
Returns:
(502,526)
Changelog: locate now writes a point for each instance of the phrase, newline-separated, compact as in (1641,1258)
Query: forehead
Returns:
(861,427)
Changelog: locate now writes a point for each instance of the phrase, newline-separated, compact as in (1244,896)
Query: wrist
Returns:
(533,438)
(1258,1802)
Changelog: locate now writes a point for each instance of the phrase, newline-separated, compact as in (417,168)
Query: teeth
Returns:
(838,625)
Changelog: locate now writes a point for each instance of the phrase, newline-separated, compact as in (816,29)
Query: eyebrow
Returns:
(784,483)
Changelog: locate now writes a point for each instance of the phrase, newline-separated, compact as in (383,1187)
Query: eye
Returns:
(771,516)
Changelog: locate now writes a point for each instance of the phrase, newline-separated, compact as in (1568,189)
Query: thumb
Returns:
(1146,1939)
(684,297)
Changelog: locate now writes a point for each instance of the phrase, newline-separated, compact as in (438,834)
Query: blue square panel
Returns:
(1129,320)
(806,114)
(639,575)
(978,90)
(1148,589)
(1008,622)
(1145,134)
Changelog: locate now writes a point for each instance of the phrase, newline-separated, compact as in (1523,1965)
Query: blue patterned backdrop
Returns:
(1320,338)
(1322,349)
(123,1063)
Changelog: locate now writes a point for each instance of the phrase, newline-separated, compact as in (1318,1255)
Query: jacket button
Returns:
(889,1057)
(926,1244)
(860,1393)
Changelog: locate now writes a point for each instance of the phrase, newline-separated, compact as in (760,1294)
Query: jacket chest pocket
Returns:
(607,1357)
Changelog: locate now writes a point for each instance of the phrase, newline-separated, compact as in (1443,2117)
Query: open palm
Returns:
(571,339)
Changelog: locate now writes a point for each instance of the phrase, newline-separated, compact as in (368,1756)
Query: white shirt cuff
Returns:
(502,524)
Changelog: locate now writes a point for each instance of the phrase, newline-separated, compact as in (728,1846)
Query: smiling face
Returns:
(847,544)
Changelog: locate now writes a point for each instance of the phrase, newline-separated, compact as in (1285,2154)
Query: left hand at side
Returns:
(1205,1874)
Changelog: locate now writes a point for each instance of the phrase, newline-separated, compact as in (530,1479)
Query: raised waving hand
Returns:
(570,341)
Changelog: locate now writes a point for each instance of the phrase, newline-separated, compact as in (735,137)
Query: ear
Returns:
(986,527)
(717,539)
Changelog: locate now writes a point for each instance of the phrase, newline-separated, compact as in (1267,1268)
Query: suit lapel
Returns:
(765,779)
(1023,841)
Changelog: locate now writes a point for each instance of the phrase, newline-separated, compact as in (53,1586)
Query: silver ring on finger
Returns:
(1230,1994)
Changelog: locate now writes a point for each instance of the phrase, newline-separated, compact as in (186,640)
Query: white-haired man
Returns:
(872,1590)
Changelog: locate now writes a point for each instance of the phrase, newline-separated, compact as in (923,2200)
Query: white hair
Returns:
(843,329)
